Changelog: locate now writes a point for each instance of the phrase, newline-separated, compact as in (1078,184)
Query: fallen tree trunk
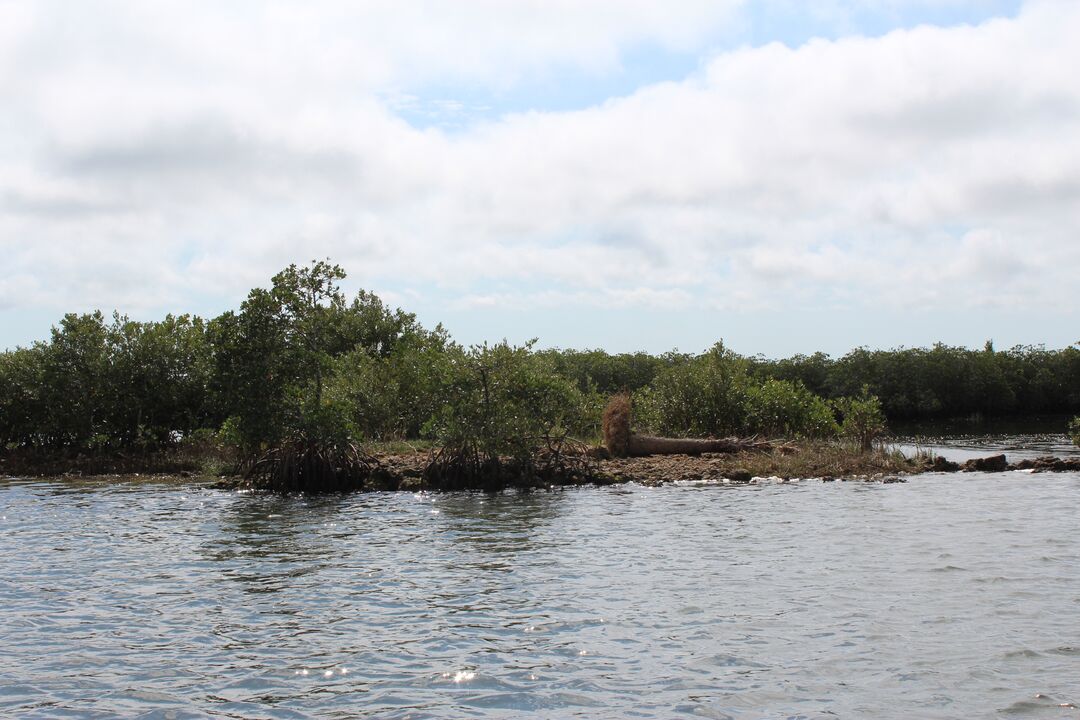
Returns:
(621,441)
(641,445)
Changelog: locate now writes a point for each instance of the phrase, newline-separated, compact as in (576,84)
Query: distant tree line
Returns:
(299,359)
(942,381)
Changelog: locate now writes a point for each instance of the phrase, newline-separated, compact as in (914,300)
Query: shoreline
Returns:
(404,471)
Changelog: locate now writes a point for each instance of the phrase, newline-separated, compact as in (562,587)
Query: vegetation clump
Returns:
(716,394)
(1074,430)
(503,423)
(862,419)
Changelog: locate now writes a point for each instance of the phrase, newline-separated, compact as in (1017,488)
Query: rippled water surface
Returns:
(946,597)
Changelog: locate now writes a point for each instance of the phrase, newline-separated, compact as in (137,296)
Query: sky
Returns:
(621,174)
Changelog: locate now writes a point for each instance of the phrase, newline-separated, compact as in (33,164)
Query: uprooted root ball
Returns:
(616,425)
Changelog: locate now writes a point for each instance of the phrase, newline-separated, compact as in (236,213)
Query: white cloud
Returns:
(152,151)
(334,45)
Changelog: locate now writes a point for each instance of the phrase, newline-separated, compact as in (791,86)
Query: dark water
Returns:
(946,597)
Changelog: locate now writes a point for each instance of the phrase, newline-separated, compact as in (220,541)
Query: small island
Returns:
(304,390)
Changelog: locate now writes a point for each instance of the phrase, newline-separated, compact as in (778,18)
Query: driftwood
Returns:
(621,441)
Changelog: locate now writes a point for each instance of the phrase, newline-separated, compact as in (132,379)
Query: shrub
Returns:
(862,418)
(714,394)
(23,412)
(706,395)
(1074,430)
(503,419)
(366,389)
(421,366)
(779,408)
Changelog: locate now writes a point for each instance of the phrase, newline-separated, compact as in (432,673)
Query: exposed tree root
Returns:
(562,461)
(554,461)
(311,466)
(616,425)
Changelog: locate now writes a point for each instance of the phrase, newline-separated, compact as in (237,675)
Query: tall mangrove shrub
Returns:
(716,394)
(504,411)
(302,372)
(705,395)
(100,386)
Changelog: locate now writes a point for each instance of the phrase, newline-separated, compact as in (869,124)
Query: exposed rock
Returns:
(940,464)
(994,463)
(739,475)
(1049,463)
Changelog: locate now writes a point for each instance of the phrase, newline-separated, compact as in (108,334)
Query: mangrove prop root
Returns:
(553,460)
(562,461)
(462,468)
(311,466)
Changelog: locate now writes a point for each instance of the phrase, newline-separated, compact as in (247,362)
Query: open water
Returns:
(950,596)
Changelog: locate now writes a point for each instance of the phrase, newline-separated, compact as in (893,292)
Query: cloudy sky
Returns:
(625,174)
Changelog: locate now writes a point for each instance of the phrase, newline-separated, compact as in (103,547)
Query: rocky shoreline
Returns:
(659,470)
(405,471)
(1000,463)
